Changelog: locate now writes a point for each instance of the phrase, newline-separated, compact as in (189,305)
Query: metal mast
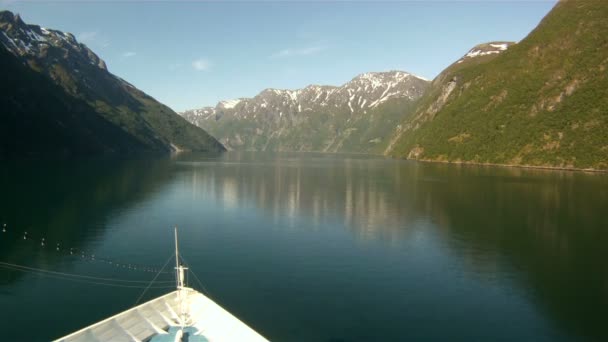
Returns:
(179,277)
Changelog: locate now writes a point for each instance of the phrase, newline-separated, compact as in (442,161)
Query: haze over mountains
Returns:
(58,98)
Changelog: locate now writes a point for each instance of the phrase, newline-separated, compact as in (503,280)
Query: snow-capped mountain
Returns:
(282,110)
(58,59)
(362,93)
(35,41)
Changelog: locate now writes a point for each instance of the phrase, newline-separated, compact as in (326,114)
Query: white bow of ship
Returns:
(182,315)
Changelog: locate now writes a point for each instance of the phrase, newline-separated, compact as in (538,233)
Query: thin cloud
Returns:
(307,51)
(93,38)
(87,36)
(175,66)
(201,64)
(129,54)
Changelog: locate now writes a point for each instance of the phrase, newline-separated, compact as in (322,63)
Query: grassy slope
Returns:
(37,118)
(152,123)
(173,128)
(544,102)
(334,131)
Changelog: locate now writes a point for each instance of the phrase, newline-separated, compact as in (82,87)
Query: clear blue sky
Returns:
(192,53)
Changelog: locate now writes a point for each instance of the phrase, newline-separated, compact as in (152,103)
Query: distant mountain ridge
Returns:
(89,88)
(353,117)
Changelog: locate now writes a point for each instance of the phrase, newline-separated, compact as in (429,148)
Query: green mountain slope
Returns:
(358,116)
(38,118)
(333,130)
(543,102)
(55,58)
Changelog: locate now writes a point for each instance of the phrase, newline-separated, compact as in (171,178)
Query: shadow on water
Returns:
(549,227)
(68,202)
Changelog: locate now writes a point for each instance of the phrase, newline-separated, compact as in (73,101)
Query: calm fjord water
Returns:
(313,247)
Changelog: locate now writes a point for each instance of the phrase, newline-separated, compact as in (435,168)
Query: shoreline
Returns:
(534,167)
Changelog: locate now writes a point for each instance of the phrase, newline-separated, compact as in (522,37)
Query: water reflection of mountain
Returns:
(545,229)
(356,192)
(68,201)
(546,226)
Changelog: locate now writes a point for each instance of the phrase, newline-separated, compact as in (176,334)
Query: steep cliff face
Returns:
(442,89)
(541,102)
(355,117)
(84,78)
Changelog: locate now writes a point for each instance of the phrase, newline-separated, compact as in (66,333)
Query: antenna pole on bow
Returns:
(179,277)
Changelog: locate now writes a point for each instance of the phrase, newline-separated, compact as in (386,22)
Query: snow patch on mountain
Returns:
(485,50)
(229,104)
(502,47)
(364,91)
(33,41)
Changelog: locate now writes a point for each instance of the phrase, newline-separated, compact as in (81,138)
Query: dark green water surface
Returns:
(312,247)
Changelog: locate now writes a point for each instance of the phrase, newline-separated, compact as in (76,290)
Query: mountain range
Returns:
(58,98)
(541,102)
(354,117)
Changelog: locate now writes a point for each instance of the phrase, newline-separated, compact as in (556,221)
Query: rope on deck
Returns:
(86,278)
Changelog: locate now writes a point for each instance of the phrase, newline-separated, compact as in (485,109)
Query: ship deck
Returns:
(158,320)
